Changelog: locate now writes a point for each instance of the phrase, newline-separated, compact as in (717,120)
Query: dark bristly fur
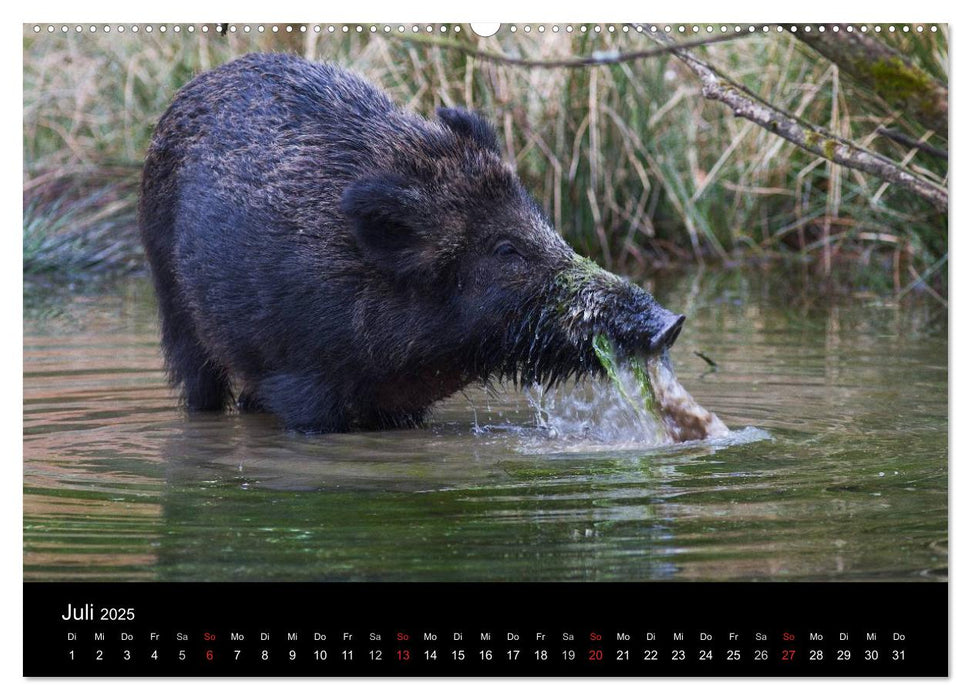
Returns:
(344,264)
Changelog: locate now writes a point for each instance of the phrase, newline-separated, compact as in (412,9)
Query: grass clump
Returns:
(72,231)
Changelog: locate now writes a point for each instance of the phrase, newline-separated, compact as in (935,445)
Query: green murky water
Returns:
(836,468)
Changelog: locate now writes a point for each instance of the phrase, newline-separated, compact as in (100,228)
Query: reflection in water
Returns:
(835,470)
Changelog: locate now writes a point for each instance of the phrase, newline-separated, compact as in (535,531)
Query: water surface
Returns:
(836,468)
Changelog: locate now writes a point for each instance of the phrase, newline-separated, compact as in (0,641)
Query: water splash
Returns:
(642,405)
(595,413)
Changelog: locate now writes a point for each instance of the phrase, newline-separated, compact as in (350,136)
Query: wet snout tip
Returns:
(666,337)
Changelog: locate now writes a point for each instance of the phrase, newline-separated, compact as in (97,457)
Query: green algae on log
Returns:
(673,409)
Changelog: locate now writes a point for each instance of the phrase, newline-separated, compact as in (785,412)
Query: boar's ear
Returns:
(471,126)
(385,212)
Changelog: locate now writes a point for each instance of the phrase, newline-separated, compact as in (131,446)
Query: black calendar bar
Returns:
(471,629)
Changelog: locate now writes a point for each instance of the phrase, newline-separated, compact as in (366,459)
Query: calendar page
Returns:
(513,349)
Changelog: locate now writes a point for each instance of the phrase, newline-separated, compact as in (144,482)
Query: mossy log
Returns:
(888,73)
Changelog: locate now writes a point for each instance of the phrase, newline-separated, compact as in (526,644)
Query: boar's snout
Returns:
(649,330)
(600,303)
(670,327)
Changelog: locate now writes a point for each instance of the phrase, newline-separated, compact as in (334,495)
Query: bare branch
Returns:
(809,137)
(599,58)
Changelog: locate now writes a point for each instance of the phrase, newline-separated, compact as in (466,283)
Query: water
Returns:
(835,467)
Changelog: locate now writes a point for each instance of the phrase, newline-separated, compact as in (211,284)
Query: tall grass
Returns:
(81,229)
(634,166)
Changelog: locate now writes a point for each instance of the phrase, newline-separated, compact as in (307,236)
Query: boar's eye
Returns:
(506,250)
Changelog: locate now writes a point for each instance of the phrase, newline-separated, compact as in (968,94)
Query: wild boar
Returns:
(322,254)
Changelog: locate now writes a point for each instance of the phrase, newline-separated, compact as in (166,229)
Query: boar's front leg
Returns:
(304,402)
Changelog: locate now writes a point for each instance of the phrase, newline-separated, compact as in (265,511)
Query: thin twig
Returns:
(703,356)
(911,142)
(809,137)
